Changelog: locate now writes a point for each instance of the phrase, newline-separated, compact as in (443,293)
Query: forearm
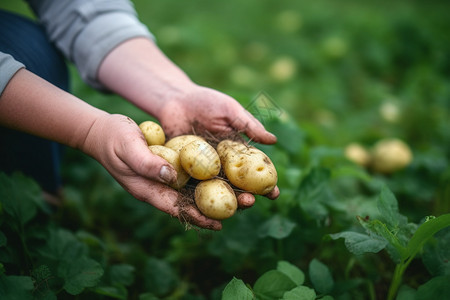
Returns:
(141,73)
(33,105)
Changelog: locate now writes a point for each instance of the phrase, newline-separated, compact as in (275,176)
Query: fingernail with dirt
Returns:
(167,174)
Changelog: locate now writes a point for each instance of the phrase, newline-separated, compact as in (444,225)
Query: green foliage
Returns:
(402,240)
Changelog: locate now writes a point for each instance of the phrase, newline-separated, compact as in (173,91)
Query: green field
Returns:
(332,73)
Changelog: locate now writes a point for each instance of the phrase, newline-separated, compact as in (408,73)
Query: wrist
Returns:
(138,71)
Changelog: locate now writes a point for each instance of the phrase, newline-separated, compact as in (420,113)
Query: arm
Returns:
(31,104)
(141,73)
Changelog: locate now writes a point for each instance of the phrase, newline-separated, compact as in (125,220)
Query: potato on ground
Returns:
(247,167)
(177,143)
(356,153)
(154,134)
(200,160)
(215,199)
(174,159)
(390,155)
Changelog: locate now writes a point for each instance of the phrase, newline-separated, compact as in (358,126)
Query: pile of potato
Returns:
(245,167)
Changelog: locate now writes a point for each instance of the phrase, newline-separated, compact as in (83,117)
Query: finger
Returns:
(247,123)
(169,201)
(245,200)
(274,194)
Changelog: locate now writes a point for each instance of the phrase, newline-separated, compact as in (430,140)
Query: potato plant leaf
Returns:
(277,227)
(272,285)
(236,289)
(320,277)
(435,288)
(18,198)
(436,253)
(426,231)
(80,274)
(16,287)
(116,292)
(360,243)
(292,271)
(379,228)
(300,293)
(159,276)
(388,207)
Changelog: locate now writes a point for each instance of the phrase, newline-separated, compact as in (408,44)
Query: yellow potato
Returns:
(154,134)
(247,167)
(174,159)
(357,154)
(215,199)
(177,143)
(390,155)
(200,160)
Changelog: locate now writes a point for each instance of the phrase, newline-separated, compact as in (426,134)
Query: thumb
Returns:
(149,165)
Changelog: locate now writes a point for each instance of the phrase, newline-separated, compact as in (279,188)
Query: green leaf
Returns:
(426,231)
(61,245)
(122,274)
(43,280)
(117,292)
(159,276)
(148,296)
(359,243)
(315,193)
(277,227)
(406,293)
(435,288)
(18,196)
(320,277)
(80,274)
(436,253)
(376,227)
(272,285)
(236,289)
(388,207)
(16,287)
(292,271)
(300,293)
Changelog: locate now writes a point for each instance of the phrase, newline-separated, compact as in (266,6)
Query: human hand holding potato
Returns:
(118,144)
(249,170)
(217,113)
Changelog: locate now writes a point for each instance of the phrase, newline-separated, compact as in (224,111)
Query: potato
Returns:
(178,142)
(174,159)
(154,134)
(215,199)
(200,160)
(390,155)
(247,167)
(357,154)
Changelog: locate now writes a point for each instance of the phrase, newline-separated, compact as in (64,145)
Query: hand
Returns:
(217,113)
(118,144)
(213,111)
(138,71)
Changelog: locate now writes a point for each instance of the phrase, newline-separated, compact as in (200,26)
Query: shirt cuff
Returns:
(8,68)
(92,45)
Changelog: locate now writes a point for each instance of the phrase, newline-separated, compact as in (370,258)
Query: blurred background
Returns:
(337,72)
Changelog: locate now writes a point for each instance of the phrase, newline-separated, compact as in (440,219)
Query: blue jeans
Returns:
(38,158)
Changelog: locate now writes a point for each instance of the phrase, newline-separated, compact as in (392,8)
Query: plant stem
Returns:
(397,279)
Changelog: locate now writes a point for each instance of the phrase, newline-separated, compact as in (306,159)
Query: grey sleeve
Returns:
(8,67)
(87,30)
